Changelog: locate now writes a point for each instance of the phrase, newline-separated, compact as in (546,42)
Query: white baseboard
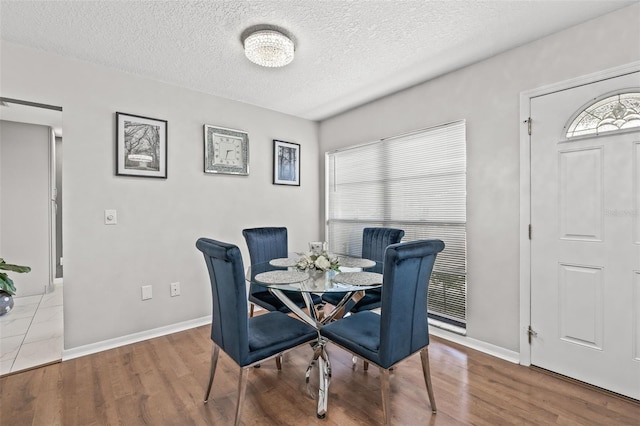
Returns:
(478,345)
(92,348)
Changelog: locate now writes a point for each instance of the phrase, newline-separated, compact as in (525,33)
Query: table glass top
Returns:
(290,278)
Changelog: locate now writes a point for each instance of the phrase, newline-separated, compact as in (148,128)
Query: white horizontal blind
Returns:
(414,182)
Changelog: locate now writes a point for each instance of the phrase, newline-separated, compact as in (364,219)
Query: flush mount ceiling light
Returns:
(269,48)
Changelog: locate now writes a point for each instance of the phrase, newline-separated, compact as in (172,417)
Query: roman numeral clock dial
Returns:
(228,151)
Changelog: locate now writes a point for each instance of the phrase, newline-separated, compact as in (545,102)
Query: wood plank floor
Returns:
(162,382)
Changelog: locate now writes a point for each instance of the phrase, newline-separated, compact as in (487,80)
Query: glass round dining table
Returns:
(281,276)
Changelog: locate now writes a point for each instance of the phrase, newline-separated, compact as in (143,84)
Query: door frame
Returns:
(525,188)
(53,257)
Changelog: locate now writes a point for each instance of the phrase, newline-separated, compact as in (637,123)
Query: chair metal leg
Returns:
(386,399)
(424,356)
(214,362)
(242,390)
(354,361)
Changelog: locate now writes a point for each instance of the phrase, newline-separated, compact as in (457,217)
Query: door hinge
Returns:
(528,123)
(529,231)
(531,333)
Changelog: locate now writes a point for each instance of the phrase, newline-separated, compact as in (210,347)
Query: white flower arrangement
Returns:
(320,262)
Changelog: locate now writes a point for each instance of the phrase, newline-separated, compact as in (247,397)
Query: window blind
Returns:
(415,182)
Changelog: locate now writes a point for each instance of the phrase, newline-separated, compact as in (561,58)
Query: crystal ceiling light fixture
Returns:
(269,48)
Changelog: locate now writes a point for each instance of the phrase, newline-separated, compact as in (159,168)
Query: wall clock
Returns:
(226,151)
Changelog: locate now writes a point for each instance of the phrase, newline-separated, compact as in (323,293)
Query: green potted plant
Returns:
(7,288)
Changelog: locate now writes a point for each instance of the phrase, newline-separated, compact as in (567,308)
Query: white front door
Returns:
(585,245)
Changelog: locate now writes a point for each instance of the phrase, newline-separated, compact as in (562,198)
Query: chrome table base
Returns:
(320,356)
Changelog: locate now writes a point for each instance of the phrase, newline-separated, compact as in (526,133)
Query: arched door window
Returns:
(610,113)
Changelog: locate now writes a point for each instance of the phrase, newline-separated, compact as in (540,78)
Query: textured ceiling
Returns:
(347,52)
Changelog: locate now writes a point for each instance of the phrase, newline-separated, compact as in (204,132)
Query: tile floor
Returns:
(32,333)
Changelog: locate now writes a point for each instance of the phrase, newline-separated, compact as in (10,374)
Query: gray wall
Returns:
(158,220)
(487,96)
(24,202)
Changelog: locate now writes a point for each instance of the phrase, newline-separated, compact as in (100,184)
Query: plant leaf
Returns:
(6,284)
(14,268)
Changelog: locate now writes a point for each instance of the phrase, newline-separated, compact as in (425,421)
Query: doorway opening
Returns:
(31,232)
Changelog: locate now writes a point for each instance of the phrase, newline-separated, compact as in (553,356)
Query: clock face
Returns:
(227,151)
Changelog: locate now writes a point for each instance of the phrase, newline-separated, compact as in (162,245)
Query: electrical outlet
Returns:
(175,289)
(147,292)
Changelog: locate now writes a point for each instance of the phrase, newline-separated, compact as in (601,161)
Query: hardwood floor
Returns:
(162,382)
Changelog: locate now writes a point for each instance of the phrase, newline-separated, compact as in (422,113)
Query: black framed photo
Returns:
(286,163)
(226,151)
(141,146)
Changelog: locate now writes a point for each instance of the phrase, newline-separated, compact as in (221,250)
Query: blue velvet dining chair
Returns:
(265,244)
(374,243)
(248,341)
(401,329)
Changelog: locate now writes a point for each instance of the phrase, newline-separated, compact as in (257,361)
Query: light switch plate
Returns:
(147,292)
(110,217)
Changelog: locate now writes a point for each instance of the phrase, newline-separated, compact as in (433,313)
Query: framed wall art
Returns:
(226,151)
(141,146)
(286,163)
